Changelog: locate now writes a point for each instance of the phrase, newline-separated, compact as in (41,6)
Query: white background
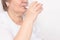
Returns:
(48,20)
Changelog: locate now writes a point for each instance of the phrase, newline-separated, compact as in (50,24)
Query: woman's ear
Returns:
(7,3)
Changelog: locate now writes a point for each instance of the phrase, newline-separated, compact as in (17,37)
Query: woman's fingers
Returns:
(39,6)
(36,6)
(33,3)
(34,9)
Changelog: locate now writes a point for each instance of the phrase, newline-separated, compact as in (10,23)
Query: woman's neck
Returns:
(15,18)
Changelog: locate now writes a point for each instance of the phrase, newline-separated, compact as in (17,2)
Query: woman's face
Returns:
(18,6)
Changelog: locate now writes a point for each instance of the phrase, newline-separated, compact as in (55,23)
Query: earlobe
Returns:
(7,4)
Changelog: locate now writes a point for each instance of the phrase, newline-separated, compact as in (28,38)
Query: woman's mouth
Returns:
(24,7)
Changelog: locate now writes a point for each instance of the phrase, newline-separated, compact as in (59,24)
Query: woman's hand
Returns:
(34,9)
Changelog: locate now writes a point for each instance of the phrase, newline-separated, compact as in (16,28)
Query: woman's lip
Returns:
(25,7)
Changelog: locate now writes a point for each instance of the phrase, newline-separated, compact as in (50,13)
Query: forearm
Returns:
(25,31)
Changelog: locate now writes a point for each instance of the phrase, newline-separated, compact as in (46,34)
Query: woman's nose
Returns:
(25,1)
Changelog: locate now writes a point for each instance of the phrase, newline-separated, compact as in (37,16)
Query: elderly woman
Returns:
(16,23)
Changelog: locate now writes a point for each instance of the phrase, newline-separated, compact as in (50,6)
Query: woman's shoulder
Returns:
(2,14)
(3,18)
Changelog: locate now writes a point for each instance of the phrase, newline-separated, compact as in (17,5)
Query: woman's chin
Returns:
(23,10)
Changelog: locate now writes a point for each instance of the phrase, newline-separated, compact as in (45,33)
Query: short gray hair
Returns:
(4,5)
